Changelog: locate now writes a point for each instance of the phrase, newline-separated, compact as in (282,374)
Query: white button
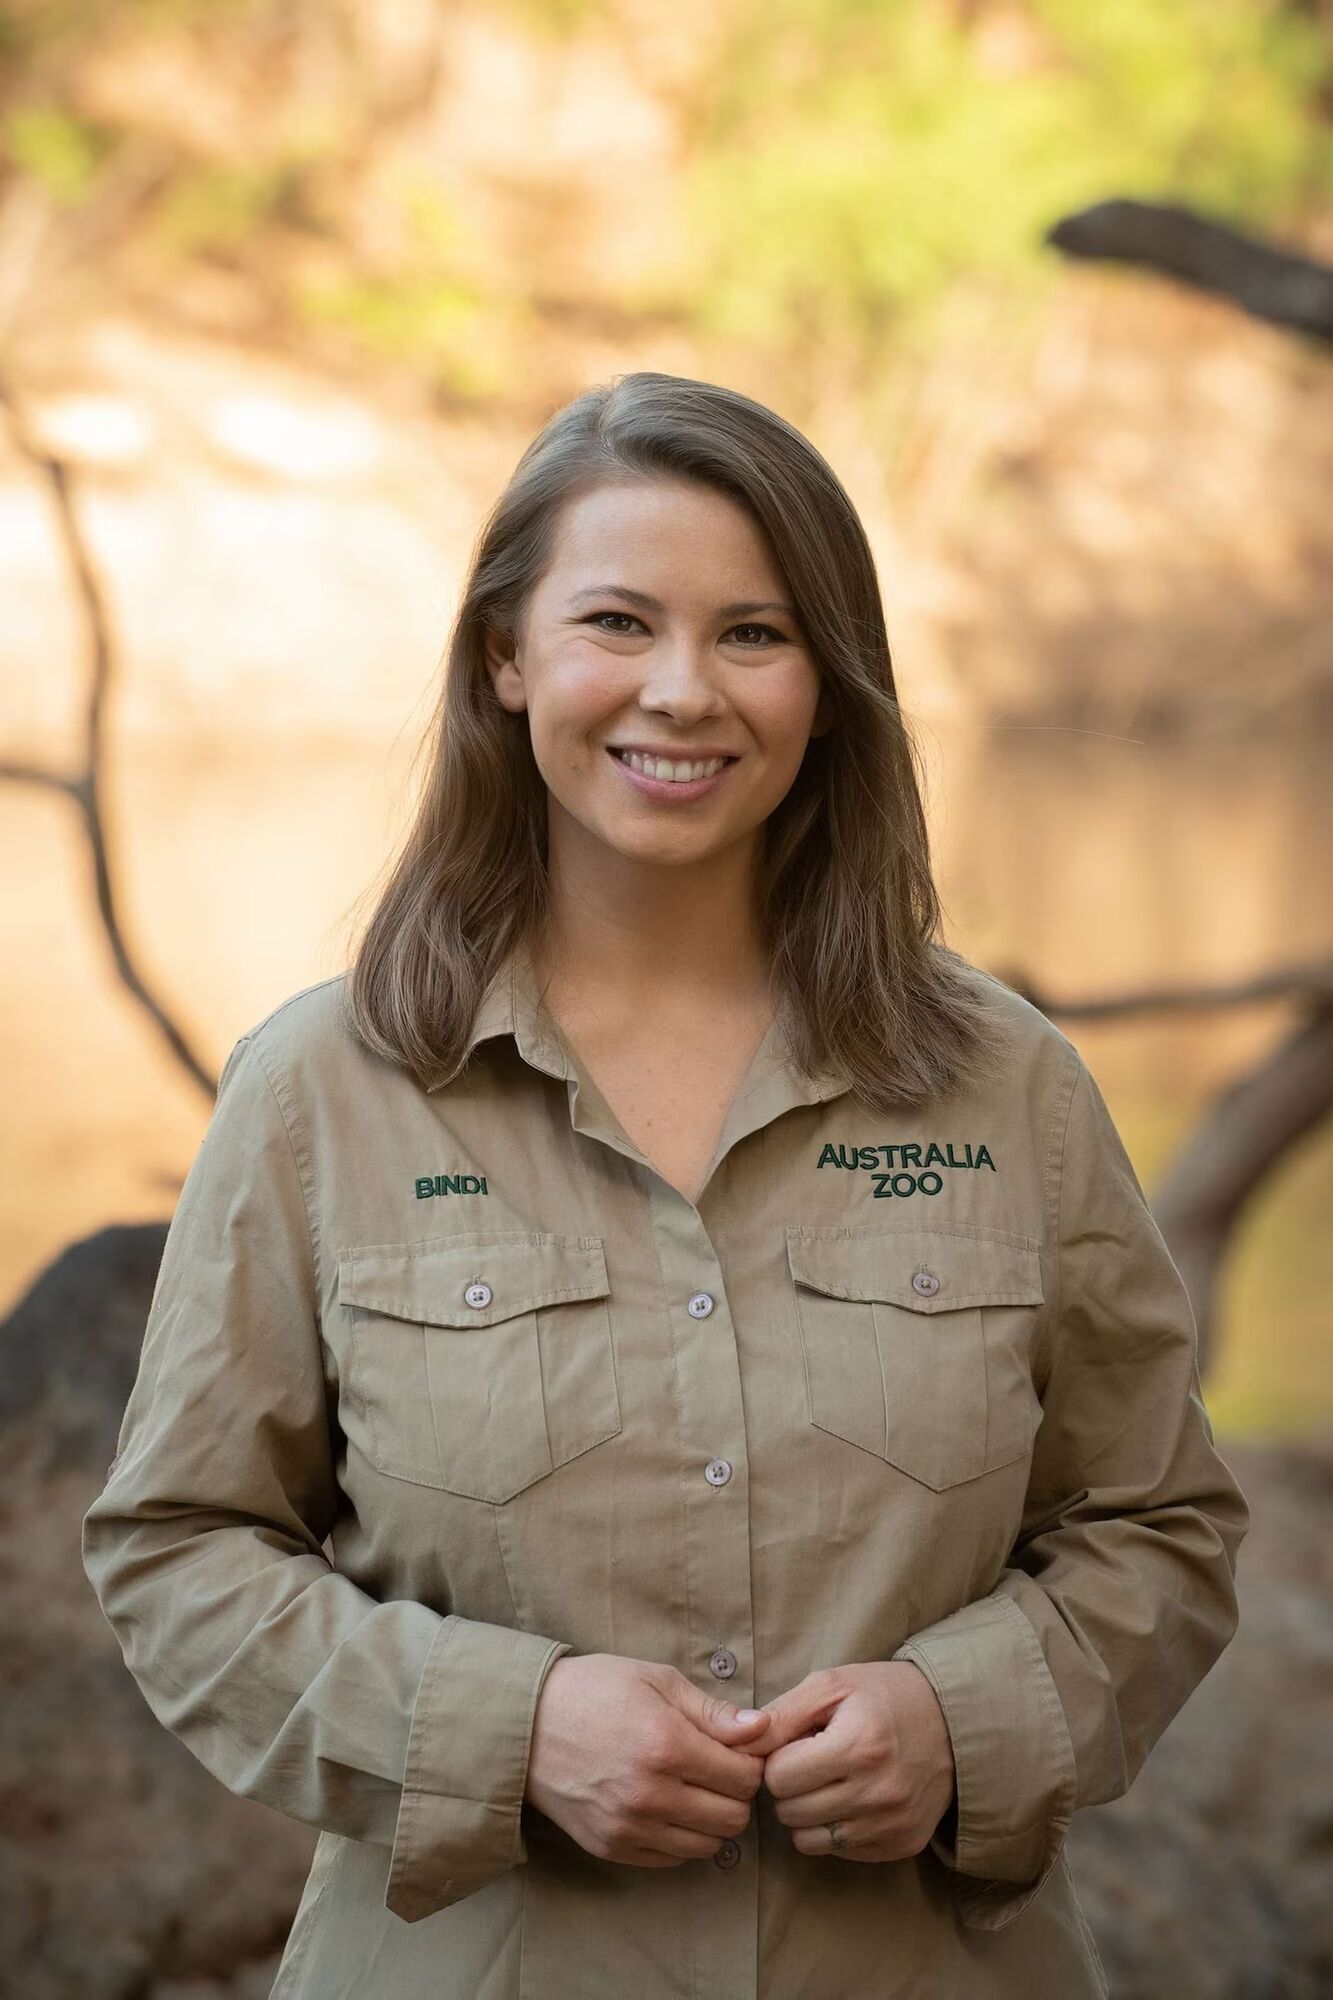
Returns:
(926,1282)
(700,1305)
(478,1294)
(717,1471)
(723,1663)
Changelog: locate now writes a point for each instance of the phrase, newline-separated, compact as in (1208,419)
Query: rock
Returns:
(1210,1879)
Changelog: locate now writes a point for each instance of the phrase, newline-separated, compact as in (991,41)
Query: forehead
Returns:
(664,530)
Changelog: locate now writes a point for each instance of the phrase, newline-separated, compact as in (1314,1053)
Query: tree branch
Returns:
(1265,281)
(85,786)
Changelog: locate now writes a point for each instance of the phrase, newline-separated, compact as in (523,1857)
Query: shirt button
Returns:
(728,1854)
(723,1663)
(717,1471)
(700,1305)
(478,1294)
(926,1282)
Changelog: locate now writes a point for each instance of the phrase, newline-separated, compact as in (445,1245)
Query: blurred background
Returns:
(285,289)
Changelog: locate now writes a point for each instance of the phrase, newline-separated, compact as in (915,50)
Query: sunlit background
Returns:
(285,289)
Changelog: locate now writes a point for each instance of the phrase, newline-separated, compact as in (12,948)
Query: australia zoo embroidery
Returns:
(902,1170)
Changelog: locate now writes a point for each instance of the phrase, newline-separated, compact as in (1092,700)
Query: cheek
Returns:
(577,696)
(782,724)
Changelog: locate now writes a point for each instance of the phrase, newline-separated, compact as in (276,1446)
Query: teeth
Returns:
(661,767)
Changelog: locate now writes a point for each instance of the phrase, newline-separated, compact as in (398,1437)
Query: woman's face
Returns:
(663,628)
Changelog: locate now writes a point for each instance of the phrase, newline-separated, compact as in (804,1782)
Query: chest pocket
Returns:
(481,1362)
(916,1343)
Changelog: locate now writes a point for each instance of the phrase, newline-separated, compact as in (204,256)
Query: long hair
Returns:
(847,902)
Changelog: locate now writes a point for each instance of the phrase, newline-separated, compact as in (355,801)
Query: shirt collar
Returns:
(512,1005)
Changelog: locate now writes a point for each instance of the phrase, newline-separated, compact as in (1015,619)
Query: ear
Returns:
(502,666)
(826,713)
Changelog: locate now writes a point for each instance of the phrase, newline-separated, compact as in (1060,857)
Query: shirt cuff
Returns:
(1013,1756)
(459,1818)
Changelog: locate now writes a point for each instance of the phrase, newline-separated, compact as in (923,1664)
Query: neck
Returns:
(649,938)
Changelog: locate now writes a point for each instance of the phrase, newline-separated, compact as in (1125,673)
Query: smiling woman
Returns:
(673,573)
(653,1564)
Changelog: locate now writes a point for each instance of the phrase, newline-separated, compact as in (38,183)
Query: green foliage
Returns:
(856,156)
(556,20)
(437,326)
(849,165)
(216,207)
(56,149)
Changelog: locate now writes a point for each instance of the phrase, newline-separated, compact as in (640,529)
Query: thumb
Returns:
(803,1708)
(718,1718)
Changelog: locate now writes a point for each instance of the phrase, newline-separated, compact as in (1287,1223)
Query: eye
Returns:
(778,638)
(596,617)
(768,633)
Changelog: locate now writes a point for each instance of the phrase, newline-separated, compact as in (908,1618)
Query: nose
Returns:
(677,679)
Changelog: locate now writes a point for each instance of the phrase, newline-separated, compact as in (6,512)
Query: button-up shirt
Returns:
(439,1385)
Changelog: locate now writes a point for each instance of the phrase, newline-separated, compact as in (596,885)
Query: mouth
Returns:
(670,770)
(675,777)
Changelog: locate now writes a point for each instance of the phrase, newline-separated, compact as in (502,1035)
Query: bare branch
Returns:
(1265,281)
(1249,1129)
(85,787)
(1313,980)
(33,774)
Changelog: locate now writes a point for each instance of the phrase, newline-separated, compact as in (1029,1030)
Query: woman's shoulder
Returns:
(307,1031)
(1024,1034)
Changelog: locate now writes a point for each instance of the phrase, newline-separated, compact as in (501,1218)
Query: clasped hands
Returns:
(864,1747)
(639,1765)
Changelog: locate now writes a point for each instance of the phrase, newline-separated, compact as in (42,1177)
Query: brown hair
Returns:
(847,900)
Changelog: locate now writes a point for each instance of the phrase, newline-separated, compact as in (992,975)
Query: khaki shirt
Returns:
(438,1386)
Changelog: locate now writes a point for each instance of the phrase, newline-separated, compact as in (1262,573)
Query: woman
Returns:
(666,1427)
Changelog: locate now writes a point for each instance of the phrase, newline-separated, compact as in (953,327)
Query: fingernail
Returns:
(748,1714)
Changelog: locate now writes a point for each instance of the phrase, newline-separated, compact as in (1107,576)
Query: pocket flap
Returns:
(429,1280)
(974,1266)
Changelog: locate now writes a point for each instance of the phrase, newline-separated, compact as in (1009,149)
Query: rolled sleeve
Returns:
(1119,1593)
(381,1720)
(459,1820)
(1013,1759)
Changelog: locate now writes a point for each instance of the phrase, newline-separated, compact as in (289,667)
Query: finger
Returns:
(817,1808)
(856,1840)
(806,1766)
(670,1841)
(805,1707)
(702,1761)
(722,1816)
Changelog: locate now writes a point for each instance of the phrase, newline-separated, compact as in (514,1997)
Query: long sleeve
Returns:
(1119,1593)
(382,1721)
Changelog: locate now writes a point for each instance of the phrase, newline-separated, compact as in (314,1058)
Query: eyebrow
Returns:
(647,603)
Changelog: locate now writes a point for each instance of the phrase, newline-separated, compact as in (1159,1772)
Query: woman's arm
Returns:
(383,1721)
(1119,1593)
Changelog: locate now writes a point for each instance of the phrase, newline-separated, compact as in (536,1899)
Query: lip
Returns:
(665,788)
(694,755)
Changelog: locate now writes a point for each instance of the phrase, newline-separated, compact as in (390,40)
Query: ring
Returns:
(837,1838)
